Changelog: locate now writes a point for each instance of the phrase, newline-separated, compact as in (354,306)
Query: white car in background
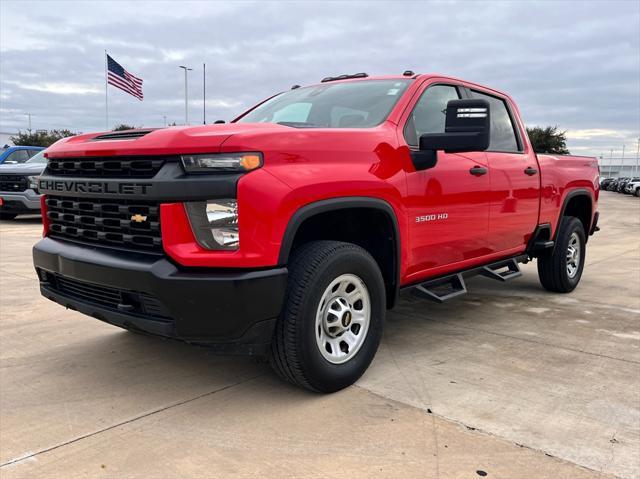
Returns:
(633,187)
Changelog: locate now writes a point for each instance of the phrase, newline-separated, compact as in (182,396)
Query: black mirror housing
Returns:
(467,128)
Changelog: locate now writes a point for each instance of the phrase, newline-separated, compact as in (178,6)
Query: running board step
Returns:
(497,270)
(441,289)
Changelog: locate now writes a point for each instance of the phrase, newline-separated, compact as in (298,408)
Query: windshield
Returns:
(357,104)
(37,158)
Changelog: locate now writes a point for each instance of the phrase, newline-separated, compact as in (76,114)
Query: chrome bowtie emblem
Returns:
(138,218)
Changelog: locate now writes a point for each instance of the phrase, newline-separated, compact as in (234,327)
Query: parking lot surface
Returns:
(507,382)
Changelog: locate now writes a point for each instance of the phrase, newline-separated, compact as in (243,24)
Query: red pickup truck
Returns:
(289,231)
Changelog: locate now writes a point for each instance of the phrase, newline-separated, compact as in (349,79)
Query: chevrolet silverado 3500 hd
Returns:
(289,231)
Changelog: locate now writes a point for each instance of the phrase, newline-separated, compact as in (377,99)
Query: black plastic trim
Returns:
(469,272)
(540,231)
(208,306)
(171,183)
(594,225)
(573,194)
(342,203)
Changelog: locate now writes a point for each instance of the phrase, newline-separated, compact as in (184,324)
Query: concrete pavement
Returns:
(508,381)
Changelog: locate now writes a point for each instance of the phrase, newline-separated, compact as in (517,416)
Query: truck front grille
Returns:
(124,301)
(127,224)
(105,167)
(13,183)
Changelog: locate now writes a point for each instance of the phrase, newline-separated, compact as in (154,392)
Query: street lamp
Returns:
(186,95)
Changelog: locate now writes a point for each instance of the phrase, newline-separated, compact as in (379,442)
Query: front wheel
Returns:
(560,270)
(331,324)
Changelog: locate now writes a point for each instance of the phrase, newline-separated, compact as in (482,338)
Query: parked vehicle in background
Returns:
(633,187)
(613,186)
(605,182)
(19,187)
(290,231)
(18,154)
(622,182)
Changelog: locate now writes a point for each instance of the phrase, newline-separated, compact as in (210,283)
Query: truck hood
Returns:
(164,141)
(23,169)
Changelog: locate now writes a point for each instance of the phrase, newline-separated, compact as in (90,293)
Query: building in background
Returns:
(5,138)
(619,167)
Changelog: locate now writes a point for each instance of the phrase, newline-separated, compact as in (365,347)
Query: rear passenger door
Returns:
(515,180)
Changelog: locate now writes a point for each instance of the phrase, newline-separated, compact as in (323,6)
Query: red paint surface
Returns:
(488,217)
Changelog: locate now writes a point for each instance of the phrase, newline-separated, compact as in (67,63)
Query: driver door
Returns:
(448,204)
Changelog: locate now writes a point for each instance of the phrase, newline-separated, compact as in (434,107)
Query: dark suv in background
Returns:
(19,187)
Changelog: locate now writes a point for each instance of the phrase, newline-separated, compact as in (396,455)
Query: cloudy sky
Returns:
(575,64)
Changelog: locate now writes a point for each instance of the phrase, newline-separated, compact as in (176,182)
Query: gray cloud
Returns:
(575,64)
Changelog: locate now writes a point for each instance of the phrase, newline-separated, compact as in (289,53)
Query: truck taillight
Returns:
(45,218)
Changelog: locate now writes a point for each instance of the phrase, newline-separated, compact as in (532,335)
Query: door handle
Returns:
(530,171)
(478,171)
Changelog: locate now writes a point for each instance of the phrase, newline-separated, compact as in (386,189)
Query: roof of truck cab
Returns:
(417,76)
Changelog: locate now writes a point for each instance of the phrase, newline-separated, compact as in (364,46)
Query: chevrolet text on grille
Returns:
(94,187)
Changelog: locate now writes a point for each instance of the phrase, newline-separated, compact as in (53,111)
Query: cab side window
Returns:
(503,133)
(429,114)
(18,156)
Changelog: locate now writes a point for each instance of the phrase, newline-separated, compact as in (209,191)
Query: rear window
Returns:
(503,133)
(350,104)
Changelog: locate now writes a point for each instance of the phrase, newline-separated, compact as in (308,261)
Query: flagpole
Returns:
(106,91)
(204,94)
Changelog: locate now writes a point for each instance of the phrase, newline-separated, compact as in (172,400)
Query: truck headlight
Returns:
(213,163)
(33,182)
(215,223)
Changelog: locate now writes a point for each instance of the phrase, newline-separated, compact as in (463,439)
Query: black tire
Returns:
(552,266)
(295,354)
(638,192)
(7,216)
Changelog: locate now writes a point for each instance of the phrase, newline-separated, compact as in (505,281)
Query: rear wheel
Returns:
(560,270)
(637,191)
(331,324)
(7,216)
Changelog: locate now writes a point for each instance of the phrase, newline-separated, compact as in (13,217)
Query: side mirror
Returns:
(467,128)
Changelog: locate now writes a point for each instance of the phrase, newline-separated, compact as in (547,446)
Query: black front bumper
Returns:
(233,311)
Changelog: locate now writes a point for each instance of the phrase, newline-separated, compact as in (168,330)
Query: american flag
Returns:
(121,78)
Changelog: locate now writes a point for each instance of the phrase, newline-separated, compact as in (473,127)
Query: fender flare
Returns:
(341,203)
(573,194)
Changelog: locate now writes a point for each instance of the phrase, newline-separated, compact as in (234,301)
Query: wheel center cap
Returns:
(346,319)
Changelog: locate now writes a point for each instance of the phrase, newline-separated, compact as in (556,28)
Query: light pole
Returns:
(29,115)
(637,155)
(186,95)
(611,164)
(164,117)
(622,161)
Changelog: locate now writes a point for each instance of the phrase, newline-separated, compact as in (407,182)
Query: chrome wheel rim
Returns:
(573,255)
(343,318)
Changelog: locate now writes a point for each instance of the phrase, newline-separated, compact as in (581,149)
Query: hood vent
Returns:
(123,135)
